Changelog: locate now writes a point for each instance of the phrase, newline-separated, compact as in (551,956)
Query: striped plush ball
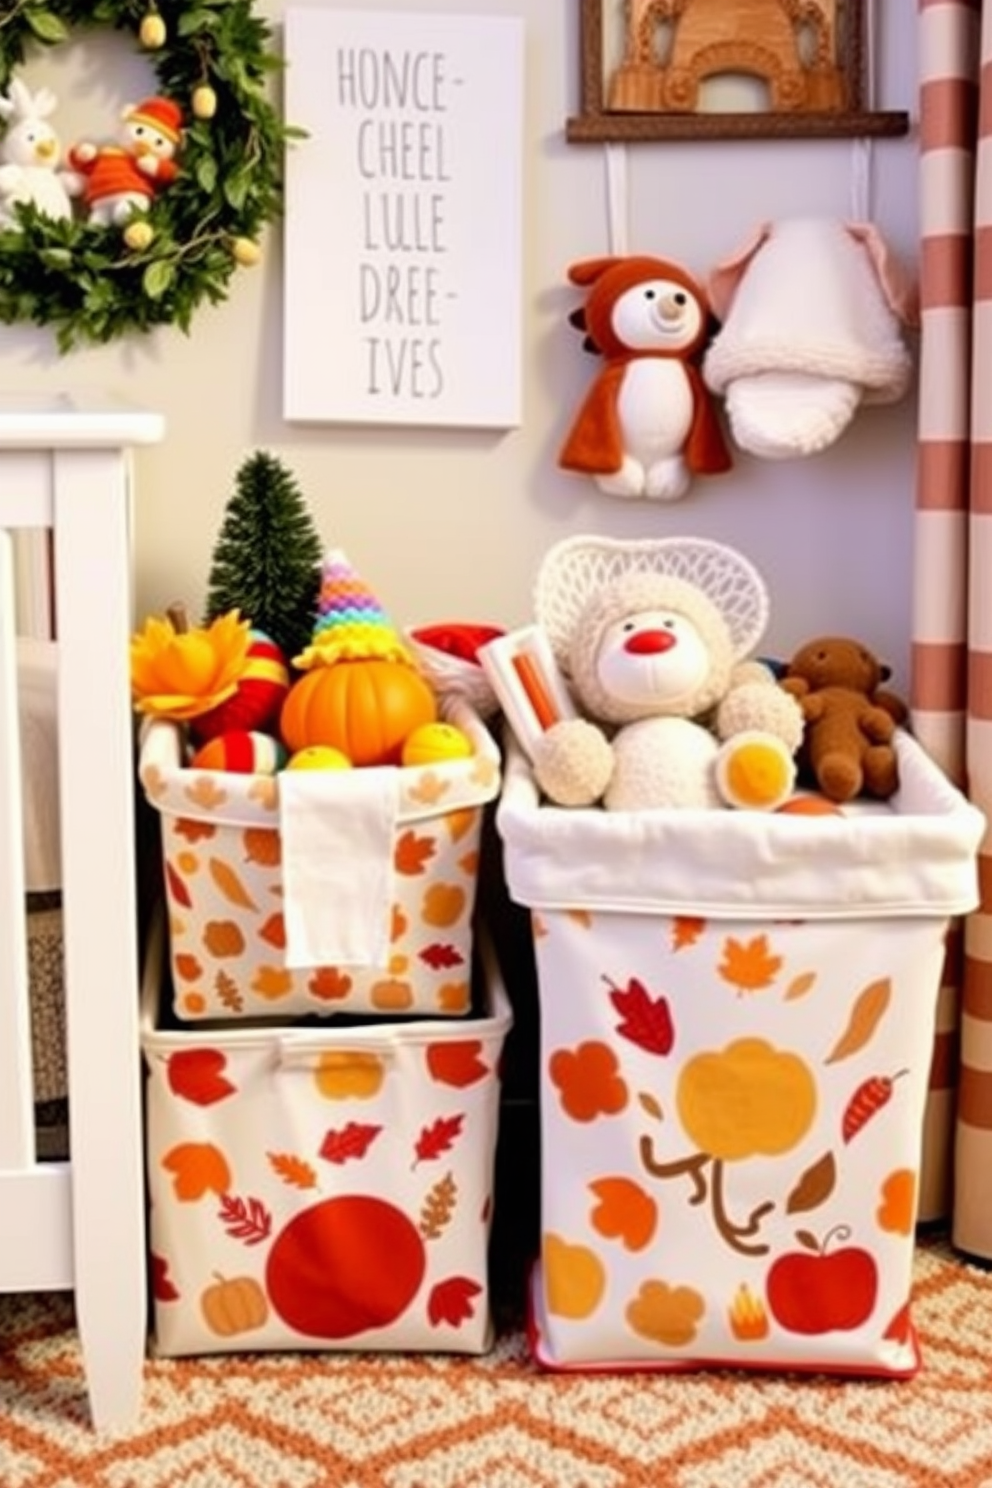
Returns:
(256,703)
(241,752)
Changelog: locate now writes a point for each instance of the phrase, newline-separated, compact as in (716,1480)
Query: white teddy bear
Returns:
(31,157)
(674,716)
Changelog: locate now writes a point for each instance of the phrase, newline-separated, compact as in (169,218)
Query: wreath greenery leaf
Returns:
(82,279)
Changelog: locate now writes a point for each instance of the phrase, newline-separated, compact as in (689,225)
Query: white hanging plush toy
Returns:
(647,424)
(31,157)
(812,314)
(652,639)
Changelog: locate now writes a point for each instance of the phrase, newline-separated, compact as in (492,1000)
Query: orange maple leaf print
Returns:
(197,1168)
(486,773)
(151,779)
(265,791)
(205,793)
(429,789)
(193,830)
(262,845)
(686,930)
(461,822)
(413,853)
(272,982)
(329,984)
(749,965)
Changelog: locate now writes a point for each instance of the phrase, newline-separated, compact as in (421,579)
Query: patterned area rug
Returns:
(379,1421)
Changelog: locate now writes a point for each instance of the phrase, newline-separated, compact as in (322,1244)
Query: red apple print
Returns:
(814,1290)
(344,1266)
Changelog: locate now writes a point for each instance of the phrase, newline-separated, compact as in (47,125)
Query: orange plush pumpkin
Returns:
(366,708)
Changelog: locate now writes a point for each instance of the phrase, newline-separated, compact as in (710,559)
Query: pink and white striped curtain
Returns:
(951,685)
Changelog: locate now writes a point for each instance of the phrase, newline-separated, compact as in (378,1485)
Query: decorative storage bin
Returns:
(229,901)
(322,1186)
(737,1012)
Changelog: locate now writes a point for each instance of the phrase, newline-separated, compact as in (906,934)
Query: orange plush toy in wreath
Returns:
(850,719)
(647,424)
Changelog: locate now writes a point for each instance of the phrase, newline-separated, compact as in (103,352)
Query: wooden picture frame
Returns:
(814,94)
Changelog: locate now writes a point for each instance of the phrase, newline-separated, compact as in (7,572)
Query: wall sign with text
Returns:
(403,218)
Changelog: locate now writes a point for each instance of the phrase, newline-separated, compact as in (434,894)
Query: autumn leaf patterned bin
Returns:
(737,1013)
(321,1185)
(223,865)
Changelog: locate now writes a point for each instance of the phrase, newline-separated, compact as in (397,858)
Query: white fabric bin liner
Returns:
(913,855)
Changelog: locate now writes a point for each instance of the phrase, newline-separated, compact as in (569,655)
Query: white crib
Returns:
(65,469)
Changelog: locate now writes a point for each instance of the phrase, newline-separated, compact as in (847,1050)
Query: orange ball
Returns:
(810,806)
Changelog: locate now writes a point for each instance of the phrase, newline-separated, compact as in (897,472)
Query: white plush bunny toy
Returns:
(31,156)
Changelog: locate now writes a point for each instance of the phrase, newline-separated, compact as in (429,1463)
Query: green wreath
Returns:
(94,283)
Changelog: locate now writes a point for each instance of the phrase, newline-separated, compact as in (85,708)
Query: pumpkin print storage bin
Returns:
(388,889)
(737,1015)
(322,1186)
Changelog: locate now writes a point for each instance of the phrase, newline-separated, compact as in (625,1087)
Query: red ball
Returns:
(241,752)
(259,696)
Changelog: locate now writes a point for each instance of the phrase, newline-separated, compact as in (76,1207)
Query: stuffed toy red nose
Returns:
(649,642)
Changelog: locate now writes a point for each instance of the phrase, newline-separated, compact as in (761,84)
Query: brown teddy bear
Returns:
(847,746)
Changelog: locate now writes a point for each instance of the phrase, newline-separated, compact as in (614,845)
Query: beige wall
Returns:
(451,524)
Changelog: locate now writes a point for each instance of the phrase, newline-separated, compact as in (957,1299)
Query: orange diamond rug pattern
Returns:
(497,1421)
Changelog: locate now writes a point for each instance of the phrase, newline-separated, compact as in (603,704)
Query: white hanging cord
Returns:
(617,199)
(862,156)
(861,180)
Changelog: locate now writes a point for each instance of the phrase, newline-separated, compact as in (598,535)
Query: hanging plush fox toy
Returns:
(647,424)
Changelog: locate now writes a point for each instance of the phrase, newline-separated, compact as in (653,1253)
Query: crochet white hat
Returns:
(576,568)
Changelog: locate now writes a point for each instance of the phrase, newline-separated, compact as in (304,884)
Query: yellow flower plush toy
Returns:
(182,673)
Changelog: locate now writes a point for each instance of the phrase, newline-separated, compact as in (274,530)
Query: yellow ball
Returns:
(138,235)
(246,252)
(433,742)
(152,31)
(318,757)
(204,101)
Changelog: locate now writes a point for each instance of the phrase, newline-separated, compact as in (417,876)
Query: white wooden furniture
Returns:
(65,466)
